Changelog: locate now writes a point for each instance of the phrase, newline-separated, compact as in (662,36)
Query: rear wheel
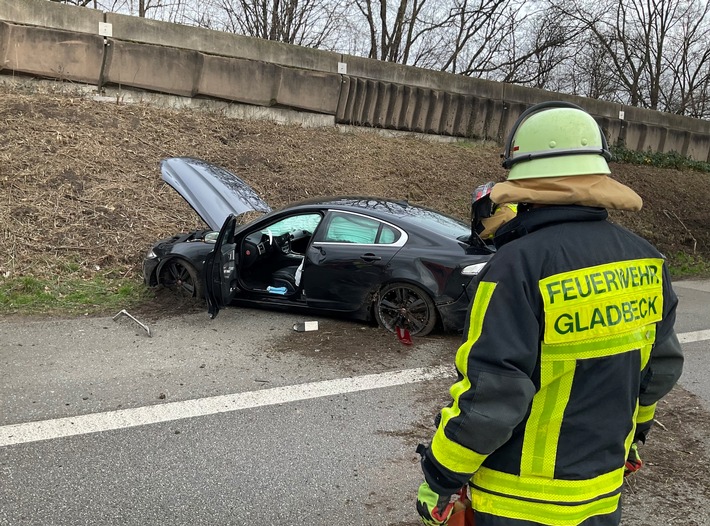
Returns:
(407,306)
(181,277)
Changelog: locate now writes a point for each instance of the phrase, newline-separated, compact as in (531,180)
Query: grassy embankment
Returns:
(69,293)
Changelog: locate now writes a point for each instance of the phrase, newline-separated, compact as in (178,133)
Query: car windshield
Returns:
(439,223)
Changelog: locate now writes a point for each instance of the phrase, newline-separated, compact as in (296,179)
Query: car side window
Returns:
(350,228)
(388,235)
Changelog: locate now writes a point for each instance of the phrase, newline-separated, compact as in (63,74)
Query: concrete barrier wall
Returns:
(51,40)
(64,55)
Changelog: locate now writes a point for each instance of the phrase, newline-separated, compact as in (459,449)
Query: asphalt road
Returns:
(228,421)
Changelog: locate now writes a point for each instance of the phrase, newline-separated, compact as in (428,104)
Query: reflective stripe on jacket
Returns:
(560,344)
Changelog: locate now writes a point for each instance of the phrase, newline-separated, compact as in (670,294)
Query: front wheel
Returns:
(407,306)
(181,277)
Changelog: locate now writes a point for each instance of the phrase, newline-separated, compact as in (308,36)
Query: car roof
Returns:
(376,206)
(414,218)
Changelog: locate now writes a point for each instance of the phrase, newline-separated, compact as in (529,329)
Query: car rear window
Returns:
(350,228)
(438,222)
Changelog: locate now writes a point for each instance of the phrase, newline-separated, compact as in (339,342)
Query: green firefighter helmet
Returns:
(555,139)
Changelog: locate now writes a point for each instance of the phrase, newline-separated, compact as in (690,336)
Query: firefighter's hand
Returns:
(434,509)
(633,461)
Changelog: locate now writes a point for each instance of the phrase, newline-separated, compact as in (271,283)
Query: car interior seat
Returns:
(289,277)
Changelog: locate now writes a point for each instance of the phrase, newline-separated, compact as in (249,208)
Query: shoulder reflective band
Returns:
(603,300)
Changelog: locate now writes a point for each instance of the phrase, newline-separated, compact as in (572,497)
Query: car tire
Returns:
(181,277)
(407,306)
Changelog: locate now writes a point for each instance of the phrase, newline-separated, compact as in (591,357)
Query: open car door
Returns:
(220,269)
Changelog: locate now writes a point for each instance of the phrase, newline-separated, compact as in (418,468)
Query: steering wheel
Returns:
(284,243)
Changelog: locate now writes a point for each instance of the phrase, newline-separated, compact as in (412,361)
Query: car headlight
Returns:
(151,255)
(472,270)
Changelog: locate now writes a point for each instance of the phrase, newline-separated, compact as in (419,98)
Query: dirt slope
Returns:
(80,182)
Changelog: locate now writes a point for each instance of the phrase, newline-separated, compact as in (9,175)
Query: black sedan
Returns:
(367,258)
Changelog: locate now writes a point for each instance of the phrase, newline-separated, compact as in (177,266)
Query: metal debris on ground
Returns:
(125,313)
(305,326)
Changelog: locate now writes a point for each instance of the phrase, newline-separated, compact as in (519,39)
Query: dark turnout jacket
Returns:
(568,347)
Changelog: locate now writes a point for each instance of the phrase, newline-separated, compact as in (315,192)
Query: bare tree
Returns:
(141,8)
(396,30)
(81,3)
(477,31)
(303,22)
(686,89)
(589,74)
(640,40)
(538,44)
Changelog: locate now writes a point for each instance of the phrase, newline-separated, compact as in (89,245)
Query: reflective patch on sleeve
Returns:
(645,413)
(600,301)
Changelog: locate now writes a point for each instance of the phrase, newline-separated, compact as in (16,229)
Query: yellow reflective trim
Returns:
(448,453)
(550,490)
(475,326)
(542,431)
(602,300)
(641,338)
(645,413)
(453,455)
(481,300)
(646,350)
(543,513)
(630,437)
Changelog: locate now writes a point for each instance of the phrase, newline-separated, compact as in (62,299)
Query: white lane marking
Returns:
(138,416)
(697,336)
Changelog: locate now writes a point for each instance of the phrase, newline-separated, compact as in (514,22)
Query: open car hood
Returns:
(211,191)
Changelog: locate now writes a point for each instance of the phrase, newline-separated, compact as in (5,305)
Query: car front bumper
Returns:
(150,277)
(455,314)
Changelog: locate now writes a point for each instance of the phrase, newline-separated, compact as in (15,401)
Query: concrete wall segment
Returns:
(653,139)
(220,43)
(155,68)
(4,44)
(51,53)
(432,120)
(412,76)
(675,139)
(699,145)
(312,91)
(50,14)
(668,120)
(239,80)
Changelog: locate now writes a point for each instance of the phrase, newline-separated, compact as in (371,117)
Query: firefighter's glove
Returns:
(434,509)
(633,461)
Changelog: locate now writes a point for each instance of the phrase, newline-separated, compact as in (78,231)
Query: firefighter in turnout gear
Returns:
(568,347)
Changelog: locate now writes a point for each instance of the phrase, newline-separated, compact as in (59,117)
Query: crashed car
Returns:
(367,258)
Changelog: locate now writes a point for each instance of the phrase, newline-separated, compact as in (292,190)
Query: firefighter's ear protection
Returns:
(509,161)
